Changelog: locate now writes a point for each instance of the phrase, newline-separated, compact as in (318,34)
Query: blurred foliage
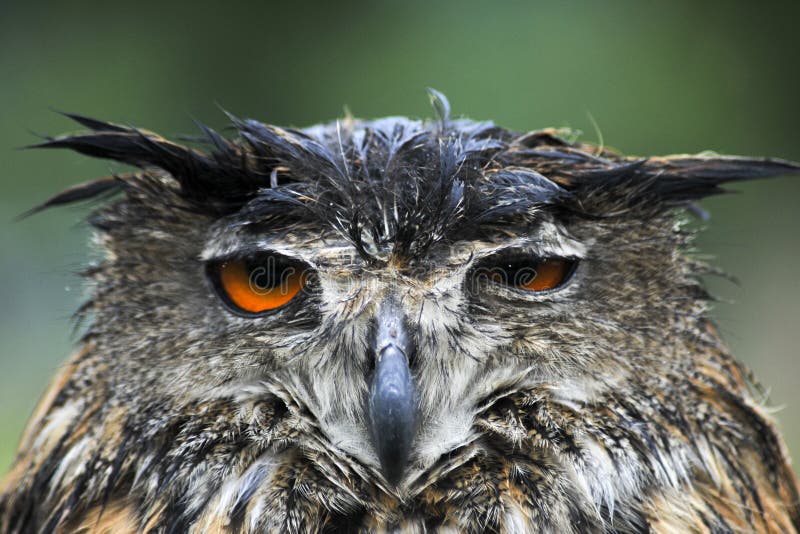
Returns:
(664,77)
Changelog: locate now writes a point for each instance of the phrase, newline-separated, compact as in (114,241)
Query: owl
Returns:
(398,325)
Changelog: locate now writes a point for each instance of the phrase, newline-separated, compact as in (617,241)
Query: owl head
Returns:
(387,282)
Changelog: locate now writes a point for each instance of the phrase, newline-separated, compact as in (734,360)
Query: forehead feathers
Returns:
(395,186)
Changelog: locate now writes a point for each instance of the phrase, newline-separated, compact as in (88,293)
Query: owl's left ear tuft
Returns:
(686,178)
(674,180)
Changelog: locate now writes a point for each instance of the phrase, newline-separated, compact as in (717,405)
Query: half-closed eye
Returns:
(258,284)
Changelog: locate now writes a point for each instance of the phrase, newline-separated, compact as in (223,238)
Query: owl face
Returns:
(391,356)
(398,325)
(371,347)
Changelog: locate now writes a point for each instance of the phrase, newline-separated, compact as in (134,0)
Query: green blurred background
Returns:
(657,78)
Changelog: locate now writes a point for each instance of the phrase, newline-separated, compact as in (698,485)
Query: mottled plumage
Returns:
(608,405)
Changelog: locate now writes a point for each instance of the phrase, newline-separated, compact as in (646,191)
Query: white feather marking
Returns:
(516,522)
(258,474)
(57,423)
(70,466)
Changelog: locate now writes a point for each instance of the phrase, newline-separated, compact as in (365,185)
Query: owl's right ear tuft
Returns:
(220,181)
(76,193)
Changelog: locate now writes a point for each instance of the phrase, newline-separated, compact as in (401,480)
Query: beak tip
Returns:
(393,456)
(393,473)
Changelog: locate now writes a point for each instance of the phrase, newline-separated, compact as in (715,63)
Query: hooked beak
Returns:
(392,396)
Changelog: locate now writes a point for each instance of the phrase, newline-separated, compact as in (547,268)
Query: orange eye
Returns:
(254,287)
(531,274)
(547,274)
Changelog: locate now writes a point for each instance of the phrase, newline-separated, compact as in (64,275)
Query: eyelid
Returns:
(250,251)
(566,248)
(499,254)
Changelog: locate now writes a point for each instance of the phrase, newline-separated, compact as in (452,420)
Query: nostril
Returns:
(389,328)
(411,355)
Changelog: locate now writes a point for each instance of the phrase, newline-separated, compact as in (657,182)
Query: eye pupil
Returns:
(262,278)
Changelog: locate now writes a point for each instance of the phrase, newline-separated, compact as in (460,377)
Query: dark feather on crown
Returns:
(408,183)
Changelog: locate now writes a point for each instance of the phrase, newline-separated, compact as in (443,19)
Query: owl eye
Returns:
(254,286)
(529,274)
